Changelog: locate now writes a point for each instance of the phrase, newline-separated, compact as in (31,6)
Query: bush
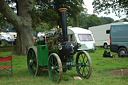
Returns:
(4,43)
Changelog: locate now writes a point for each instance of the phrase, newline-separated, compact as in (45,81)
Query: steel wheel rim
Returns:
(85,66)
(55,68)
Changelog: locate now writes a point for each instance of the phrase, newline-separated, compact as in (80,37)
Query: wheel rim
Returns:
(32,61)
(105,46)
(122,52)
(84,67)
(55,67)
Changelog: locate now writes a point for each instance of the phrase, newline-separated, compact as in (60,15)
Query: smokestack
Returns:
(63,12)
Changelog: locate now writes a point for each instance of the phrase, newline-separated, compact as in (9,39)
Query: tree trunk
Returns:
(25,35)
(23,42)
(22,23)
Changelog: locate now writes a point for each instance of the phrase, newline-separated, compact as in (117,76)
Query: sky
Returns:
(88,5)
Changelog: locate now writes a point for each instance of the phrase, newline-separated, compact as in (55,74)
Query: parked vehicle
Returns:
(82,36)
(100,36)
(7,38)
(119,39)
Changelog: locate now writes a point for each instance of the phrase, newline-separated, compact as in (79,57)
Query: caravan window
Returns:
(85,37)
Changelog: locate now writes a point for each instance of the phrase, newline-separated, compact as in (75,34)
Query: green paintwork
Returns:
(42,52)
(54,49)
(39,41)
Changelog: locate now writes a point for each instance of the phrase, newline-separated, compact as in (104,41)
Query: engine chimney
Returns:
(63,12)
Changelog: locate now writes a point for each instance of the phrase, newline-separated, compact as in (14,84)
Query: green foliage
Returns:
(4,43)
(4,24)
(117,6)
(85,20)
(3,21)
(93,20)
(42,27)
(49,16)
(48,10)
(74,6)
(106,20)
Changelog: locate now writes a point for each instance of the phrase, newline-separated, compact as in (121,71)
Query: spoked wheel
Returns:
(55,67)
(32,61)
(84,64)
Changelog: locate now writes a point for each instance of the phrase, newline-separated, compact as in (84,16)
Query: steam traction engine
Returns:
(58,55)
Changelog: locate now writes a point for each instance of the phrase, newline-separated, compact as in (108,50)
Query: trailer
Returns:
(100,36)
(82,36)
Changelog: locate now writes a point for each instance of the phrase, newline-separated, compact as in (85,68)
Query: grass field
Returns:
(100,68)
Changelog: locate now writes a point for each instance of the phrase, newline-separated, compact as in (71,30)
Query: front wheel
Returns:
(122,51)
(55,67)
(32,61)
(84,64)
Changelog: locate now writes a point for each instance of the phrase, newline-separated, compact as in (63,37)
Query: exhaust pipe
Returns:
(63,12)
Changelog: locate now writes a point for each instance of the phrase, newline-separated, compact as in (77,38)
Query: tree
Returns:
(117,6)
(26,15)
(93,20)
(48,7)
(80,20)
(106,20)
(85,20)
(21,22)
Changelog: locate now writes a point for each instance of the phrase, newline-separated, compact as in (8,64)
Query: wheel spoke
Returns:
(83,56)
(79,61)
(83,71)
(56,72)
(87,69)
(80,68)
(50,62)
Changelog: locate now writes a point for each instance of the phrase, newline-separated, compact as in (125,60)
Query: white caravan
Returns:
(100,36)
(82,36)
(8,36)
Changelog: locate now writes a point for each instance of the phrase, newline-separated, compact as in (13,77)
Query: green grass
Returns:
(100,76)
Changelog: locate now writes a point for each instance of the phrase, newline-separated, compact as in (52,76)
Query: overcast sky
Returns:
(89,6)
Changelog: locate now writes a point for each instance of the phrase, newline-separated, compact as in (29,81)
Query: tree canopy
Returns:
(47,10)
(117,6)
(85,20)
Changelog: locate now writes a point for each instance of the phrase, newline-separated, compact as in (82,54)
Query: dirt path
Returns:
(119,72)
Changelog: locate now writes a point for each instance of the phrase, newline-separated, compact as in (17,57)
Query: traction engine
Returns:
(58,55)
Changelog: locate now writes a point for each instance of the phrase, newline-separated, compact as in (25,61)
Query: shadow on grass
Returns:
(6,48)
(44,73)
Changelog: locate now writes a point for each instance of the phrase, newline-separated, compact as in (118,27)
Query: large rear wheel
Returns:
(32,61)
(55,67)
(84,64)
